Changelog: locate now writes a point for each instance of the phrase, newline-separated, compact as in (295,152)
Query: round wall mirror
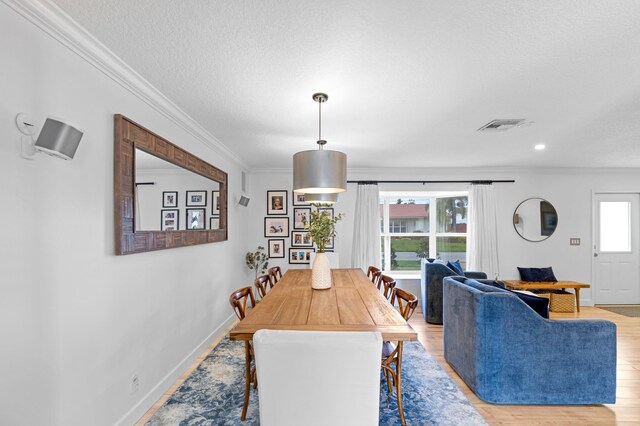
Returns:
(535,219)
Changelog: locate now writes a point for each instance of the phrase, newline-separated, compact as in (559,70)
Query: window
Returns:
(422,224)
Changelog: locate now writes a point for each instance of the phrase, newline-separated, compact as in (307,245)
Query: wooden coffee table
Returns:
(559,285)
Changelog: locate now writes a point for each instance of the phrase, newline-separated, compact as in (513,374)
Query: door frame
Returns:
(593,238)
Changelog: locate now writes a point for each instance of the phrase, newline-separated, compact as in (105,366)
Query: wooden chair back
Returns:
(239,299)
(388,285)
(407,302)
(274,274)
(261,284)
(374,275)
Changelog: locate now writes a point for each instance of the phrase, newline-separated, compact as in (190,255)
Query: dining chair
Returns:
(239,300)
(387,284)
(374,275)
(274,274)
(392,352)
(318,378)
(263,283)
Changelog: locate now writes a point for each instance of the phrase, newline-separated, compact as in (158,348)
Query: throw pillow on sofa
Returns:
(539,304)
(537,274)
(456,267)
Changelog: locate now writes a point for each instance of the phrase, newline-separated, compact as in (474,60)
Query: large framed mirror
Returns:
(164,197)
(535,219)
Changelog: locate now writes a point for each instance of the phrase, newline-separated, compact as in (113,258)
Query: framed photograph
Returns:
(195,219)
(276,249)
(196,199)
(277,202)
(301,216)
(298,199)
(301,239)
(215,202)
(170,199)
(169,220)
(276,227)
(300,255)
(214,222)
(326,209)
(329,245)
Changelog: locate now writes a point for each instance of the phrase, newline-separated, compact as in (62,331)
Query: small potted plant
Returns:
(257,261)
(322,227)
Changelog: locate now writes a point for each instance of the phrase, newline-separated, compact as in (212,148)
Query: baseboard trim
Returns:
(140,408)
(52,20)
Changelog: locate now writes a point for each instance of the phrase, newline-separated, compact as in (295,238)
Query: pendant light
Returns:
(320,199)
(320,171)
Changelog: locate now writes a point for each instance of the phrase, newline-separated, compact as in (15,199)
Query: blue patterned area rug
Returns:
(213,393)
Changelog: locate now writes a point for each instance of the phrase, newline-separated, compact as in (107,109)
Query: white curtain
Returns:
(482,235)
(366,228)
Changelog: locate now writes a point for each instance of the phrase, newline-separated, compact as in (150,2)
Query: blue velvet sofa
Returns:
(432,272)
(508,354)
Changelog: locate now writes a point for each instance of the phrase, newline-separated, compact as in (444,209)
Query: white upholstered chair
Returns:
(318,377)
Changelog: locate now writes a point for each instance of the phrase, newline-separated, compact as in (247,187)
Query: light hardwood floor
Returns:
(626,411)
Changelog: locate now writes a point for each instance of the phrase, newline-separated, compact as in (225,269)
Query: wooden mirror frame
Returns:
(128,136)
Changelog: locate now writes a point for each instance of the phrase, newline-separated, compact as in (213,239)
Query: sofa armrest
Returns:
(475,275)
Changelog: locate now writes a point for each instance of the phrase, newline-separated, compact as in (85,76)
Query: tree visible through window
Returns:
(410,232)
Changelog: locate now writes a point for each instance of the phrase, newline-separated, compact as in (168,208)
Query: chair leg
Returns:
(388,375)
(247,382)
(399,383)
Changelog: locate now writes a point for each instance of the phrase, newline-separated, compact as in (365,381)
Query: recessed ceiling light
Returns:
(539,147)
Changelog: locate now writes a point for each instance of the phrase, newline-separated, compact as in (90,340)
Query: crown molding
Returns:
(61,27)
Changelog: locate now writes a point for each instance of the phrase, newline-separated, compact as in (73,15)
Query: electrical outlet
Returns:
(574,241)
(135,383)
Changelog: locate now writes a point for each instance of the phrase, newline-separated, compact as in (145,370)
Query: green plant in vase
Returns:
(257,261)
(322,228)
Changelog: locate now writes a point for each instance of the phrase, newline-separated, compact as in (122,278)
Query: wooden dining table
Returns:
(353,303)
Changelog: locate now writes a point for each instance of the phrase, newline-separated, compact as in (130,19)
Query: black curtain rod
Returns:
(477,182)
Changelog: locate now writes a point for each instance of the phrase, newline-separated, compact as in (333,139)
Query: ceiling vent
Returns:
(502,125)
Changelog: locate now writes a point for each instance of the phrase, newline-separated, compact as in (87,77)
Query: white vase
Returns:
(321,272)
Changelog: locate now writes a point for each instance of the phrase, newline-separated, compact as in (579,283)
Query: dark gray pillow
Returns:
(537,274)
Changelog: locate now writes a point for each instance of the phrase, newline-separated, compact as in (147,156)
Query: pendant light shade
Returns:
(320,171)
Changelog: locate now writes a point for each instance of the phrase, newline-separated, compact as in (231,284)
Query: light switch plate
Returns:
(574,241)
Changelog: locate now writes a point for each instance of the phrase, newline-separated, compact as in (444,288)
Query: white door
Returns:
(616,264)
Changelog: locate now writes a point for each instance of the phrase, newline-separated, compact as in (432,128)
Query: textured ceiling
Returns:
(409,82)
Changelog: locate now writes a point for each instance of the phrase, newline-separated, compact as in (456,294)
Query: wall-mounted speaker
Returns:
(244,201)
(59,139)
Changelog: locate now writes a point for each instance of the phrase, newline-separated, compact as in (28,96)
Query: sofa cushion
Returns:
(538,304)
(494,283)
(487,288)
(456,267)
(537,274)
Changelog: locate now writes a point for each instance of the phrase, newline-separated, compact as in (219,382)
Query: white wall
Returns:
(76,321)
(570,191)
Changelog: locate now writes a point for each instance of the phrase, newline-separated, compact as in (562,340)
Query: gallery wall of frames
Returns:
(176,201)
(285,227)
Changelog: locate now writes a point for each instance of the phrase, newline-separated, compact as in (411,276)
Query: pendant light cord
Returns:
(320,123)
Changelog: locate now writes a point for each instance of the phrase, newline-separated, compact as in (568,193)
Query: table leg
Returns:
(399,383)
(577,298)
(247,383)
